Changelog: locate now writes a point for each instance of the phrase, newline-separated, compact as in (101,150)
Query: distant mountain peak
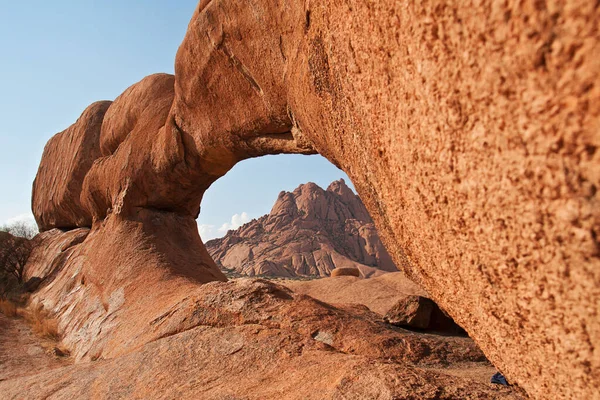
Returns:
(309,231)
(339,187)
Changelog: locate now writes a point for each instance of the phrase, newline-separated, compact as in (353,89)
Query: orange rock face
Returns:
(469,130)
(309,231)
(471,134)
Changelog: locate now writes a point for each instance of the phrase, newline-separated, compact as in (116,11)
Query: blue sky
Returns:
(60,56)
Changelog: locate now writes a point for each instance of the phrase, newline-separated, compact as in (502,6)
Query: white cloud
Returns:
(208,232)
(237,220)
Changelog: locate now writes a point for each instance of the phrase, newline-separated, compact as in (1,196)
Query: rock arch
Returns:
(470,132)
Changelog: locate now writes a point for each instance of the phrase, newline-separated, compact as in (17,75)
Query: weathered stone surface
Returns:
(142,107)
(380,294)
(48,248)
(22,353)
(212,363)
(470,131)
(67,158)
(309,231)
(105,291)
(143,155)
(170,369)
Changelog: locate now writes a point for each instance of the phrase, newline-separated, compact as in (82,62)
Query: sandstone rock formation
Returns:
(49,248)
(469,129)
(309,231)
(67,159)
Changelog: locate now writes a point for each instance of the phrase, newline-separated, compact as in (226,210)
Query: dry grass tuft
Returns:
(41,324)
(8,308)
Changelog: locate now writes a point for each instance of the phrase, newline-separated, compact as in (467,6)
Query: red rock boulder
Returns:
(344,271)
(415,311)
(67,158)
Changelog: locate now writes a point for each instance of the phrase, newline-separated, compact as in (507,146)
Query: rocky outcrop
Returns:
(411,311)
(415,311)
(470,131)
(170,368)
(309,231)
(67,159)
(397,299)
(106,290)
(49,248)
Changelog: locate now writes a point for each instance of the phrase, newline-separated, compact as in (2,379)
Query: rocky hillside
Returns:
(308,232)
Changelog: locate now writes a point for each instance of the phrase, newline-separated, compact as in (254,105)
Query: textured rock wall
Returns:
(106,291)
(470,130)
(484,124)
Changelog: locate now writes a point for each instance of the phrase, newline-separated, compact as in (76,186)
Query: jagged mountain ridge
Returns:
(308,232)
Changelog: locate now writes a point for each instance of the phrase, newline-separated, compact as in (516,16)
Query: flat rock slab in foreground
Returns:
(253,339)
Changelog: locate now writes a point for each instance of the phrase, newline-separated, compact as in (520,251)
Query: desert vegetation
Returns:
(21,229)
(14,252)
(8,308)
(15,248)
(41,323)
